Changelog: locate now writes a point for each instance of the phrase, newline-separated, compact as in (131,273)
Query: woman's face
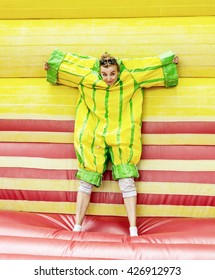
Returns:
(109,74)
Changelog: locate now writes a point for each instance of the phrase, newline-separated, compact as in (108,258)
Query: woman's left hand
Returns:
(46,66)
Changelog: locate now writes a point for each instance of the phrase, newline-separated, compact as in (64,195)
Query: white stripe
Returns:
(41,163)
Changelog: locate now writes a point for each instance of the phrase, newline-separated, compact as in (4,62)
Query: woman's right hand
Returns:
(46,66)
(176,59)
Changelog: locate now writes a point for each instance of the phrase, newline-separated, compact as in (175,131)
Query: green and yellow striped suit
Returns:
(109,118)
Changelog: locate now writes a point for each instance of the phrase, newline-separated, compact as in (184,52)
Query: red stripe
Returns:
(156,199)
(178,152)
(31,195)
(205,177)
(147,127)
(32,173)
(37,125)
(45,150)
(183,200)
(108,198)
(53,150)
(178,127)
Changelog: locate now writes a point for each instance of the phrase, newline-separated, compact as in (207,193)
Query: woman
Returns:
(109,117)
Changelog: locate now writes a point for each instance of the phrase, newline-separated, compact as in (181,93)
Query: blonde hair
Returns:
(107,55)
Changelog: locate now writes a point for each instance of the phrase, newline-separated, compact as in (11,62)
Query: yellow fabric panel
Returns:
(176,188)
(108,186)
(41,163)
(176,211)
(67,164)
(178,139)
(154,210)
(40,109)
(39,184)
(199,111)
(162,188)
(94,9)
(109,209)
(148,139)
(38,206)
(36,99)
(178,118)
(41,137)
(34,40)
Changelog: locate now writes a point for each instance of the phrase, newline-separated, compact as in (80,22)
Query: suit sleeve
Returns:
(69,69)
(153,71)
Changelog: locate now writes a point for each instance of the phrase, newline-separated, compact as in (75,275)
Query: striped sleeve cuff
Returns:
(54,62)
(169,69)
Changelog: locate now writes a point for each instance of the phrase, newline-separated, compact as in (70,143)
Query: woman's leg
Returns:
(82,203)
(130,206)
(129,193)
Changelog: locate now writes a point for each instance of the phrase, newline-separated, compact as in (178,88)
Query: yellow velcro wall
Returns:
(37,159)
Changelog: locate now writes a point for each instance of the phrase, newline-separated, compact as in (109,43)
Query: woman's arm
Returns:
(154,71)
(67,68)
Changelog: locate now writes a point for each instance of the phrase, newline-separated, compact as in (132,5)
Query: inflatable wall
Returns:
(38,188)
(37,158)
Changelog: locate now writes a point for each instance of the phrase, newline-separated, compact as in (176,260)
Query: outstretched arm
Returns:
(154,71)
(67,68)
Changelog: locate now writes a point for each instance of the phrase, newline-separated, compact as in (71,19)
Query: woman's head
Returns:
(109,68)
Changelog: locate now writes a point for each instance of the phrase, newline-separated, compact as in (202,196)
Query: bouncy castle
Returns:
(38,164)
